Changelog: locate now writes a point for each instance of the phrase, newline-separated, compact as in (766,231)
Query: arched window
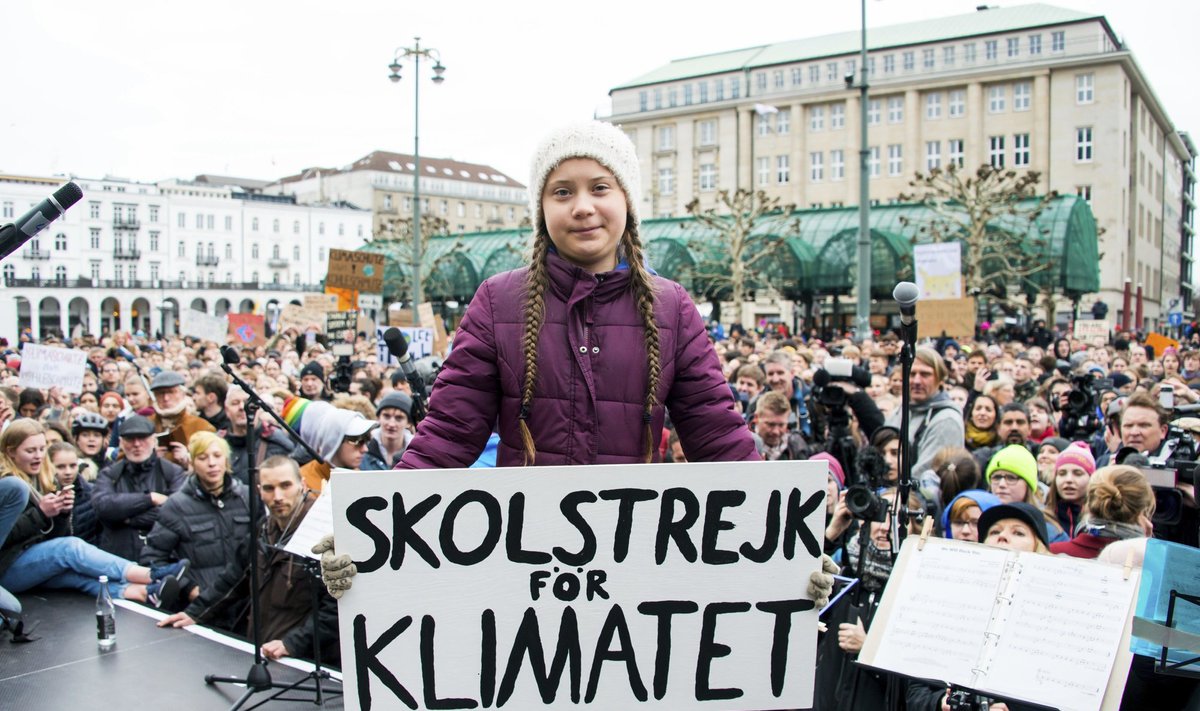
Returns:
(10,273)
(60,275)
(60,242)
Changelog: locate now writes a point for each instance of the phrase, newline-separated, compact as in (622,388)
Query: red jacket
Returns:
(591,385)
(1084,545)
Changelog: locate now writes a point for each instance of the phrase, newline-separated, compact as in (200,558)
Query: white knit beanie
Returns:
(602,142)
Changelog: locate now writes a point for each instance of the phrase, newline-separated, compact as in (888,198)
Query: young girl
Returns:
(579,354)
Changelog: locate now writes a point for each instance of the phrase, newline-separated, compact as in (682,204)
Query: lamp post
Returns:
(862,322)
(415,53)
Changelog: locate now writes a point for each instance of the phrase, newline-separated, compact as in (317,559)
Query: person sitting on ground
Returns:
(65,460)
(130,491)
(90,431)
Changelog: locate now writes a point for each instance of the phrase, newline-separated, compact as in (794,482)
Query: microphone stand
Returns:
(258,679)
(908,338)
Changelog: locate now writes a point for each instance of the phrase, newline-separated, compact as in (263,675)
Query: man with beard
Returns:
(772,438)
(289,623)
(1013,427)
(270,440)
(935,421)
(172,420)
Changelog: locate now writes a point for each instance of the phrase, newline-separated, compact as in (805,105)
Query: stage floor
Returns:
(148,667)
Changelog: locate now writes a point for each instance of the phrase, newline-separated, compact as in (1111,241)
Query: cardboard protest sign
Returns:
(1161,343)
(320,303)
(199,324)
(44,367)
(420,343)
(953,317)
(672,586)
(372,302)
(1091,329)
(939,270)
(247,329)
(428,320)
(300,317)
(359,271)
(337,323)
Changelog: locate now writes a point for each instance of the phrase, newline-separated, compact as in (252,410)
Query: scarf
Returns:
(1110,529)
(877,567)
(976,438)
(770,453)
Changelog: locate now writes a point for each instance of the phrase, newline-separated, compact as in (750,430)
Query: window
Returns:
(672,97)
(760,81)
(764,170)
(228,250)
(443,210)
(933,155)
(814,74)
(703,87)
(837,116)
(933,105)
(181,220)
(275,251)
(816,164)
(154,272)
(1083,144)
(60,242)
(910,61)
(1022,93)
(93,210)
(764,124)
(831,71)
(296,227)
(254,277)
(719,89)
(154,213)
(889,64)
(1058,41)
(996,151)
(837,164)
(708,176)
(154,241)
(1085,92)
(989,50)
(1035,44)
(208,220)
(778,77)
(851,68)
(873,161)
(118,273)
(797,76)
(816,118)
(666,181)
(969,53)
(874,112)
(460,210)
(783,169)
(94,238)
(254,224)
(229,223)
(927,58)
(687,94)
(996,99)
(735,87)
(658,98)
(182,250)
(643,100)
(199,221)
(948,56)
(895,159)
(1021,149)
(958,103)
(1014,46)
(254,250)
(783,122)
(666,138)
(895,109)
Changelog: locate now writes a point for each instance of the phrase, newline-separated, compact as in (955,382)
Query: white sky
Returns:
(265,88)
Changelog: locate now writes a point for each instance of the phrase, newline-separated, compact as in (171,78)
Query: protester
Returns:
(171,418)
(980,427)
(772,438)
(960,519)
(65,460)
(1119,504)
(340,437)
(1073,468)
(391,438)
(270,440)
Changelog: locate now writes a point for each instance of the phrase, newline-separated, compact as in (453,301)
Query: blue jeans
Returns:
(66,563)
(14,497)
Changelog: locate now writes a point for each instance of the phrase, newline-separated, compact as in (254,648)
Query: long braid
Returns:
(643,292)
(535,312)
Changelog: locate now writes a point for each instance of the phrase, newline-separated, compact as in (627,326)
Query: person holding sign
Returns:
(580,354)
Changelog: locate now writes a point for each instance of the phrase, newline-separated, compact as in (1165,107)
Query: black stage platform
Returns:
(148,668)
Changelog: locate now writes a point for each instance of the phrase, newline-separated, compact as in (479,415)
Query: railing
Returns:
(36,254)
(126,223)
(277,263)
(86,283)
(209,260)
(127,253)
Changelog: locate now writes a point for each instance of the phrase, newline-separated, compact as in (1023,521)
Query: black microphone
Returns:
(397,345)
(230,355)
(906,295)
(18,233)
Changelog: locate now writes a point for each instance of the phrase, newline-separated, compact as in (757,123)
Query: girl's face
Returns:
(983,414)
(1013,534)
(586,213)
(110,408)
(1118,365)
(1039,419)
(88,402)
(1008,487)
(1070,481)
(967,527)
(1004,394)
(66,467)
(1170,363)
(891,455)
(1046,456)
(896,382)
(29,454)
(210,468)
(1156,368)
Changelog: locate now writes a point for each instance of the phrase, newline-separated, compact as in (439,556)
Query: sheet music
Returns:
(317,524)
(1063,634)
(941,610)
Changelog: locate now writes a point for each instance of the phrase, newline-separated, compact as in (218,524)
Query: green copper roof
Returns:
(1002,19)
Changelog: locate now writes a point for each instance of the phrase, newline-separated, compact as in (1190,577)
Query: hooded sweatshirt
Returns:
(933,425)
(979,496)
(324,428)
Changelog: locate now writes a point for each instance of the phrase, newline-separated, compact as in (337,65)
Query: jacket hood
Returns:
(985,500)
(325,426)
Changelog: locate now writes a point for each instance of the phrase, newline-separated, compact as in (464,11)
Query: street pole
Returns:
(863,314)
(415,53)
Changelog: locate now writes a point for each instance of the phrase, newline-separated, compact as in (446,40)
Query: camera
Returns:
(1080,421)
(837,370)
(339,382)
(861,500)
(962,700)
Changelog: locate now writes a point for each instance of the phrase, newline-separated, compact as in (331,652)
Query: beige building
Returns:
(1033,87)
(470,197)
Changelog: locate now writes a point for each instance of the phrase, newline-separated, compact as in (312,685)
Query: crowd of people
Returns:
(586,357)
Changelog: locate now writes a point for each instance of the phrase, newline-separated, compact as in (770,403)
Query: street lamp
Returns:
(415,53)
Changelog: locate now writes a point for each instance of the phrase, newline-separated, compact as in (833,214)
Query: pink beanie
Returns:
(835,467)
(1078,454)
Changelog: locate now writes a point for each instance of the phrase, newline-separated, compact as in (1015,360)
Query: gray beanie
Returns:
(602,142)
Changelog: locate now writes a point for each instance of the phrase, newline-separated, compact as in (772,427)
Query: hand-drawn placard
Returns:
(45,367)
(673,586)
(420,343)
(360,271)
(206,327)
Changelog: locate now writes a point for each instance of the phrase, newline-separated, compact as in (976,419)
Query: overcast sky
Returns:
(265,88)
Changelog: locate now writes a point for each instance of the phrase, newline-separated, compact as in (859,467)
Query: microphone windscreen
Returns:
(68,195)
(230,355)
(397,345)
(906,293)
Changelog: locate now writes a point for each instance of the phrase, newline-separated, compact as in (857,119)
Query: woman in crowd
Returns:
(1041,420)
(1119,505)
(960,519)
(980,427)
(1012,476)
(65,460)
(957,471)
(1170,363)
(40,551)
(111,406)
(1073,468)
(1047,453)
(1002,390)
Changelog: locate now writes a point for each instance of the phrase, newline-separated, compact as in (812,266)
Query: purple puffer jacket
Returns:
(588,403)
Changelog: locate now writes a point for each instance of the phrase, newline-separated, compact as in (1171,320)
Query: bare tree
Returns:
(394,240)
(992,212)
(739,243)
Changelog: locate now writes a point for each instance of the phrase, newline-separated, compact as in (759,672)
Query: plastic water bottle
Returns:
(106,619)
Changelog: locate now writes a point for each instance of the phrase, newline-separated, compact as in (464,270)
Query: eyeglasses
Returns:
(965,524)
(360,441)
(1006,477)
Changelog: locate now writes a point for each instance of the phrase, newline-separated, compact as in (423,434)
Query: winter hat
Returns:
(983,499)
(313,368)
(1015,458)
(1120,380)
(398,400)
(1059,444)
(1026,513)
(835,467)
(1078,454)
(602,142)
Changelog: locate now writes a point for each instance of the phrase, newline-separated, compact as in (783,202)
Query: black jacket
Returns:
(30,528)
(83,521)
(122,502)
(277,443)
(203,528)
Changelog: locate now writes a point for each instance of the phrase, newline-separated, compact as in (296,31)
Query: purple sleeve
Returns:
(465,398)
(700,401)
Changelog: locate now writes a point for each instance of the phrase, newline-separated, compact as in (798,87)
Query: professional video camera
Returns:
(1080,421)
(963,700)
(339,382)
(841,445)
(837,370)
(870,472)
(1175,464)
